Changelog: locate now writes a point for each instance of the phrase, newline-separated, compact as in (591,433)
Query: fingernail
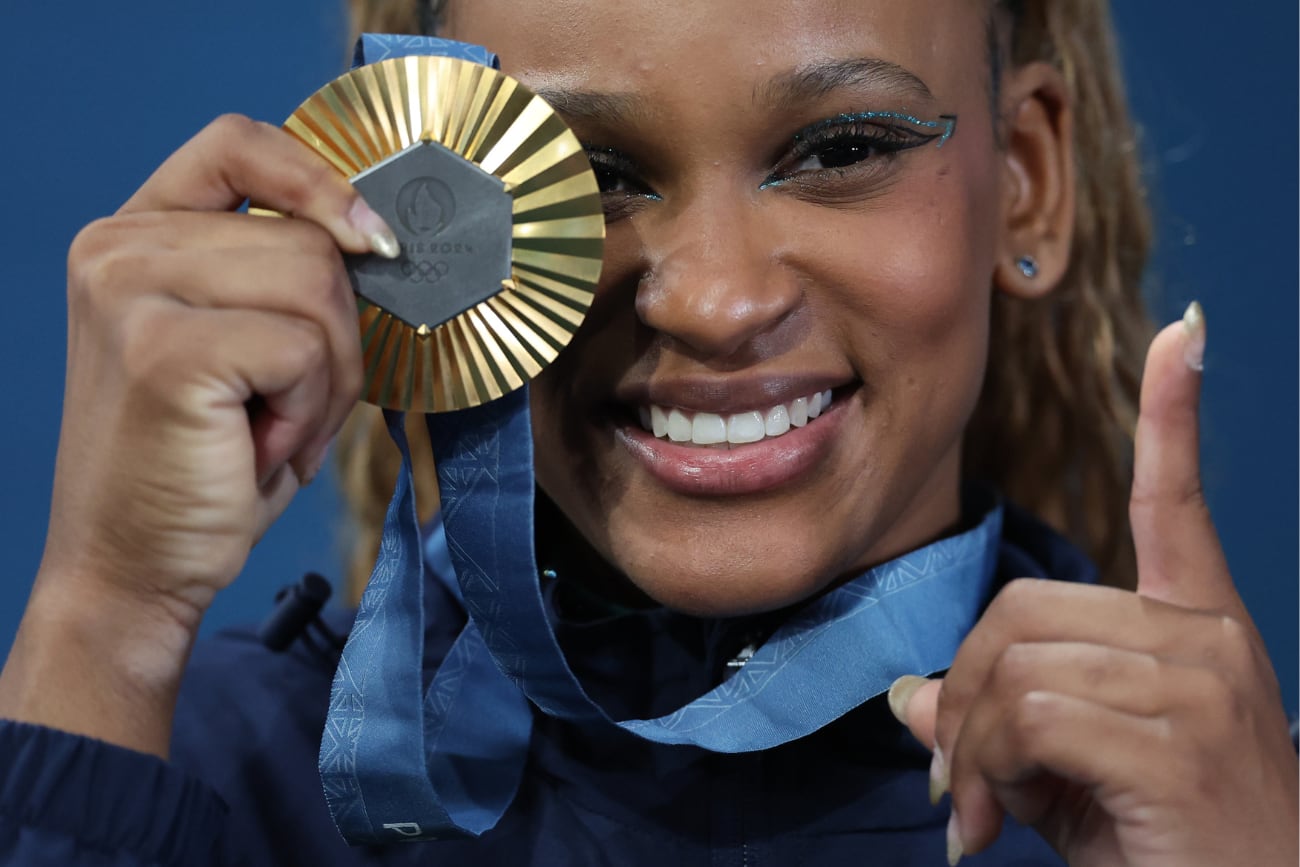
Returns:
(308,476)
(901,692)
(938,776)
(1194,328)
(954,840)
(314,468)
(373,228)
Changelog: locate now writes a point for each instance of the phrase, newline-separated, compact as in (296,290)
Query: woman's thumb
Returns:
(915,701)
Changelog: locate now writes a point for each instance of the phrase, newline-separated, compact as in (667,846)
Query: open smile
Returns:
(738,428)
(714,454)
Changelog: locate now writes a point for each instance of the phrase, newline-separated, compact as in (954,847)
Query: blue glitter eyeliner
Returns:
(915,132)
(946,122)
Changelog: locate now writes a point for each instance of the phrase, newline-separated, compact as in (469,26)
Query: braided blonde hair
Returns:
(1053,428)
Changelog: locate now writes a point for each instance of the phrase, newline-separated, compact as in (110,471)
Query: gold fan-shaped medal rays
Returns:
(488,118)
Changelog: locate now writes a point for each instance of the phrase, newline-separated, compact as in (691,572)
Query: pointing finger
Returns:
(1178,553)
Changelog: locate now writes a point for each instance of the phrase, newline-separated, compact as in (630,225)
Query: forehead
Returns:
(669,49)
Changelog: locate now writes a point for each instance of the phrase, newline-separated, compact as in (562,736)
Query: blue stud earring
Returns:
(1028,266)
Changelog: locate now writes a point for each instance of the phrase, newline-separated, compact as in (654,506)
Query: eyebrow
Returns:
(592,105)
(814,81)
(804,84)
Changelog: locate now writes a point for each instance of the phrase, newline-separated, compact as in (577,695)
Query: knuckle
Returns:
(147,348)
(231,129)
(95,281)
(309,349)
(311,180)
(1031,716)
(92,240)
(85,275)
(1018,599)
(1238,642)
(1147,498)
(114,254)
(1013,671)
(1229,647)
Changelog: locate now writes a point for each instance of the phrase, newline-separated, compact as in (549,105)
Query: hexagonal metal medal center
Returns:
(453,221)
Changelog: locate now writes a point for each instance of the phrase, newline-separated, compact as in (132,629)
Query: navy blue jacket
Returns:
(242,785)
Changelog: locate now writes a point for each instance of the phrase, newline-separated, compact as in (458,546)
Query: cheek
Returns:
(905,288)
(908,283)
(575,389)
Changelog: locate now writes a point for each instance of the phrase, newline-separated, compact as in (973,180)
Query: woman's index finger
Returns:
(235,159)
(1180,560)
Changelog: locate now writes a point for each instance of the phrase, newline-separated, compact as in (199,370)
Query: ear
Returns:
(1038,182)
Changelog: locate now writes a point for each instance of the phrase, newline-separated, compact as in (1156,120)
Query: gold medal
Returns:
(498,215)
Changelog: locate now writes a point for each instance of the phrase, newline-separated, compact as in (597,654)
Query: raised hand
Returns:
(1128,728)
(211,357)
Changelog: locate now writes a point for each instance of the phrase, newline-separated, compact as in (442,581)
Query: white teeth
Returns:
(658,422)
(708,429)
(679,427)
(777,421)
(745,427)
(751,426)
(799,412)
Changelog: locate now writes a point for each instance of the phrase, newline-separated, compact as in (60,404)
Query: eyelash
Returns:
(879,136)
(875,139)
(611,163)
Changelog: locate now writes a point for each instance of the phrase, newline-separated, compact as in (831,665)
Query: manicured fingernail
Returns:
(938,776)
(954,840)
(901,692)
(1194,328)
(373,228)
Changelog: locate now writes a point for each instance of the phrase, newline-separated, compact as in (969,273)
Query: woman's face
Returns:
(767,242)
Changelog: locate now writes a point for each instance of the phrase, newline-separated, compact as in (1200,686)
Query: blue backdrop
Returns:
(99,94)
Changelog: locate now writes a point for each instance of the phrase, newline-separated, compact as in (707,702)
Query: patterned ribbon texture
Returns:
(401,762)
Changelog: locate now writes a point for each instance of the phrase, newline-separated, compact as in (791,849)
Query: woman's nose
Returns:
(714,283)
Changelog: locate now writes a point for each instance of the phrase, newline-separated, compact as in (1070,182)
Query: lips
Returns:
(720,447)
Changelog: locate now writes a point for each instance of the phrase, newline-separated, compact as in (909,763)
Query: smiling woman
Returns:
(782,194)
(870,279)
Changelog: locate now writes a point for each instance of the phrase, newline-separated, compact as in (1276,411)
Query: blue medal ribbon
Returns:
(402,762)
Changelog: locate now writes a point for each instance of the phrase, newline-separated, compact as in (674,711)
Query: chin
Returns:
(714,561)
(713,596)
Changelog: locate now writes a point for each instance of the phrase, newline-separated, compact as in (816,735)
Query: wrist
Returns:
(97,661)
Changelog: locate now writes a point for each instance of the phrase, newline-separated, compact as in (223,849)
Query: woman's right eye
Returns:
(622,190)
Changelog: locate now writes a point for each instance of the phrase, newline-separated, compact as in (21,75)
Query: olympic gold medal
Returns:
(498,215)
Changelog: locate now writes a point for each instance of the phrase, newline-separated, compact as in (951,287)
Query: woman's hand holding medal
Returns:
(1102,717)
(212,356)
